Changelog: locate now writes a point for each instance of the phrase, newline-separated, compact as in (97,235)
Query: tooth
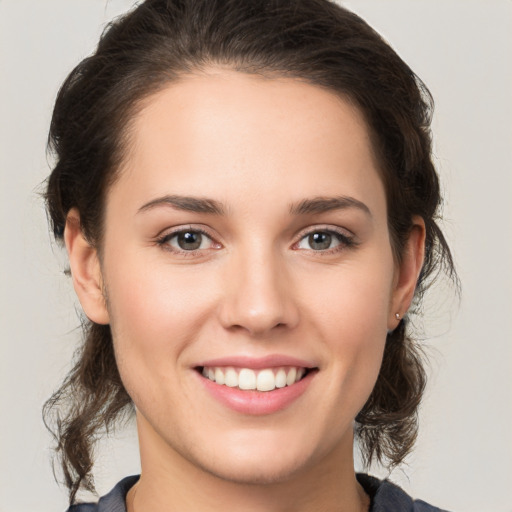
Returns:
(290,378)
(231,378)
(280,378)
(247,379)
(266,381)
(219,376)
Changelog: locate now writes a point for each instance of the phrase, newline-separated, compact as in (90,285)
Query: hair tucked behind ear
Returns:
(315,41)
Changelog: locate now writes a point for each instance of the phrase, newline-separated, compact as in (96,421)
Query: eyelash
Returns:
(345,241)
(163,241)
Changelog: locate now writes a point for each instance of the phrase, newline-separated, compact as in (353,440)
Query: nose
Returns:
(258,296)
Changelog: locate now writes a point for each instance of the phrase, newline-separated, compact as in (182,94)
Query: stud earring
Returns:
(397,316)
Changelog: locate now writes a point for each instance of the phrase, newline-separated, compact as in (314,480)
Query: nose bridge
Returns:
(258,297)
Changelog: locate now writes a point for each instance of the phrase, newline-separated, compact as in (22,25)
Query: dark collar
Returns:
(384,495)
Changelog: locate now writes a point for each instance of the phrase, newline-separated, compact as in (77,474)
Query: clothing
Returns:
(385,497)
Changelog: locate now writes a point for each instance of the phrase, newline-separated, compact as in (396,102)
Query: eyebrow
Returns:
(186,203)
(314,205)
(326,204)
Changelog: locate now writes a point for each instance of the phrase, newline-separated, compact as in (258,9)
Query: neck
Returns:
(171,483)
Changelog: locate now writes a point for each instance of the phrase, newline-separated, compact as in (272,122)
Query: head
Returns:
(304,57)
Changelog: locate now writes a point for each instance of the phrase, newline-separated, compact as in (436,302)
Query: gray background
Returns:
(463,51)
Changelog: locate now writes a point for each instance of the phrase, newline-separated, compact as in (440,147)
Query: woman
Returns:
(246,194)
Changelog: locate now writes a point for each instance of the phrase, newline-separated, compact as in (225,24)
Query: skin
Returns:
(255,287)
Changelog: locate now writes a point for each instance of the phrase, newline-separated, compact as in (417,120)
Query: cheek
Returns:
(352,300)
(353,317)
(155,316)
(155,313)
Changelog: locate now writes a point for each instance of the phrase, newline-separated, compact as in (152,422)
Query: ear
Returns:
(407,272)
(85,270)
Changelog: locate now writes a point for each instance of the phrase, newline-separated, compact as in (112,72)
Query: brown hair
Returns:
(312,40)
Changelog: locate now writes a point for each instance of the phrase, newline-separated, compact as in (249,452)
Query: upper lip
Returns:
(257,363)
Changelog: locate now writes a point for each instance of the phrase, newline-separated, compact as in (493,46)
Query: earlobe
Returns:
(408,272)
(85,270)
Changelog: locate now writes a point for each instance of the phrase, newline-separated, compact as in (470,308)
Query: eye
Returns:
(324,240)
(188,240)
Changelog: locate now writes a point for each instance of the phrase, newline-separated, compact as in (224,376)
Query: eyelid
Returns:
(347,238)
(167,234)
(170,230)
(329,228)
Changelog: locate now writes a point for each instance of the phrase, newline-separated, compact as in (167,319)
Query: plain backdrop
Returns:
(462,49)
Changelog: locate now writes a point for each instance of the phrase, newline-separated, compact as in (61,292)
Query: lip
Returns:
(258,363)
(257,403)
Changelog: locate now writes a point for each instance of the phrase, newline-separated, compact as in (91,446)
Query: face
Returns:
(246,245)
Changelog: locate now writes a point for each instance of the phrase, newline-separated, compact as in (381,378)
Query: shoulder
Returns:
(114,501)
(388,497)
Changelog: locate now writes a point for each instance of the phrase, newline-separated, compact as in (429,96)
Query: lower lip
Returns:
(257,402)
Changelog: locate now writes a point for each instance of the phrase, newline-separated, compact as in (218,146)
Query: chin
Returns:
(255,472)
(262,458)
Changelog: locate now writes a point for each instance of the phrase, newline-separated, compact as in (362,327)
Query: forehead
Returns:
(227,132)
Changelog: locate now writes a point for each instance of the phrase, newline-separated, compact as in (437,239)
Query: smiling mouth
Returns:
(247,379)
